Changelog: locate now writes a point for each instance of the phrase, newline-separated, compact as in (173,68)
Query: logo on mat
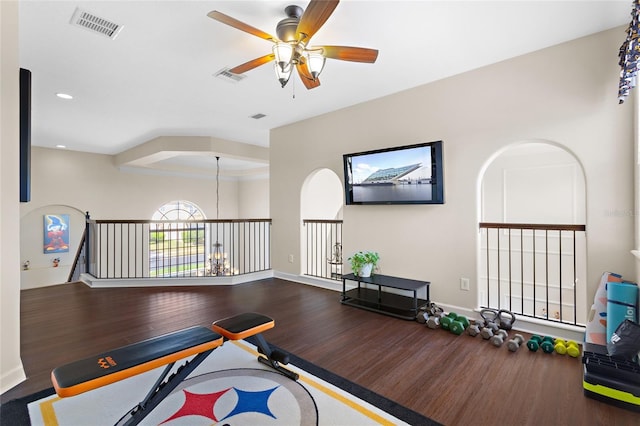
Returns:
(205,404)
(238,396)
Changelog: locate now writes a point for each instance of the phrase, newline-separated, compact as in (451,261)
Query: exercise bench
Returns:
(165,350)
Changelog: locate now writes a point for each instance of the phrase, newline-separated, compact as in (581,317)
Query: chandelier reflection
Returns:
(218,263)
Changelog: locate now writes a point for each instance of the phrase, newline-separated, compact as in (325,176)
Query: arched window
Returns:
(177,248)
(179,210)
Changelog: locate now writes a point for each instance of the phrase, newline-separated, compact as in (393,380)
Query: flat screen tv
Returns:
(410,174)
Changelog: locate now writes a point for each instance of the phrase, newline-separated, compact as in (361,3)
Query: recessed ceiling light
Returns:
(64,96)
(61,146)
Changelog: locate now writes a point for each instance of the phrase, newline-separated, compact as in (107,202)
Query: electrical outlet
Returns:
(464,284)
(290,258)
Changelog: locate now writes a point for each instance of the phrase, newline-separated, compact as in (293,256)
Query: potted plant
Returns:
(363,263)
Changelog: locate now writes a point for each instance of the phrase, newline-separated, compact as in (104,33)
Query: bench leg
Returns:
(161,389)
(273,358)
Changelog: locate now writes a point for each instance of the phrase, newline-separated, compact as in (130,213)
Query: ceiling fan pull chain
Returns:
(293,89)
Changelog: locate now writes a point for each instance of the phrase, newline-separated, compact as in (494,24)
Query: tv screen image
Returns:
(410,174)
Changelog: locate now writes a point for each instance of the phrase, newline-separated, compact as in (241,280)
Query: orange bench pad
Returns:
(127,361)
(241,326)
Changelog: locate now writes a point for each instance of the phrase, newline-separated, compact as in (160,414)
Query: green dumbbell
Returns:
(534,343)
(547,344)
(445,322)
(459,325)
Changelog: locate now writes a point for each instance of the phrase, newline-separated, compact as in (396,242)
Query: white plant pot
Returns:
(365,271)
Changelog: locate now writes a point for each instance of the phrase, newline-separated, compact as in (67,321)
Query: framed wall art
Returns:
(56,233)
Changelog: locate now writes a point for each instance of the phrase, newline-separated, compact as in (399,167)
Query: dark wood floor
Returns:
(456,380)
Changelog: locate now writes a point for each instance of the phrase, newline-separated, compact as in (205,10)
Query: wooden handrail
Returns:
(305,221)
(536,226)
(138,221)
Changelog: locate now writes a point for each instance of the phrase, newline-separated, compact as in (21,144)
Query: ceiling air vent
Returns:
(258,116)
(226,75)
(95,24)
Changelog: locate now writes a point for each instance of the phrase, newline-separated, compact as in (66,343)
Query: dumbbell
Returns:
(433,309)
(515,343)
(474,328)
(499,338)
(445,321)
(569,347)
(486,333)
(459,325)
(547,344)
(536,341)
(433,322)
(422,317)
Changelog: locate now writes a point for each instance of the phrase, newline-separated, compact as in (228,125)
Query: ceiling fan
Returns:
(291,46)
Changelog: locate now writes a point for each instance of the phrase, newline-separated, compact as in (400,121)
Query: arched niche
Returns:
(41,271)
(538,274)
(321,198)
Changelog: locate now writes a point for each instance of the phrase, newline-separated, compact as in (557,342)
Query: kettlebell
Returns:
(490,317)
(506,319)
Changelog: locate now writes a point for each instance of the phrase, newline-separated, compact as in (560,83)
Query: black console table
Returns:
(384,302)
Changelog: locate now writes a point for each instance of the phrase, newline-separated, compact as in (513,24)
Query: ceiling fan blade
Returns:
(346,53)
(247,66)
(314,17)
(226,19)
(306,77)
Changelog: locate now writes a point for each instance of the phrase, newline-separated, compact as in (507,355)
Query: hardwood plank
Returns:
(452,379)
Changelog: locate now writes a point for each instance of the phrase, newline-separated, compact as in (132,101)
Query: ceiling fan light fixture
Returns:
(283,74)
(315,62)
(284,53)
(290,46)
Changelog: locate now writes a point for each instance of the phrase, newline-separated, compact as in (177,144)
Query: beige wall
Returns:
(73,182)
(253,199)
(91,182)
(565,94)
(11,371)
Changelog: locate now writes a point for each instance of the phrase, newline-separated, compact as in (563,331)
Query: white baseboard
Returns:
(523,324)
(94,282)
(314,281)
(12,378)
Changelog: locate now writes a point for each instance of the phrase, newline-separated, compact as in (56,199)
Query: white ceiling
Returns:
(156,78)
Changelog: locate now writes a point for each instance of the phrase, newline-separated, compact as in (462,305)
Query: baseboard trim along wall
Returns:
(523,324)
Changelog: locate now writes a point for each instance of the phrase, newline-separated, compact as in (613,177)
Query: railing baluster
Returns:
(322,236)
(488,303)
(509,254)
(575,278)
(553,263)
(546,271)
(121,249)
(521,270)
(560,273)
(535,282)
